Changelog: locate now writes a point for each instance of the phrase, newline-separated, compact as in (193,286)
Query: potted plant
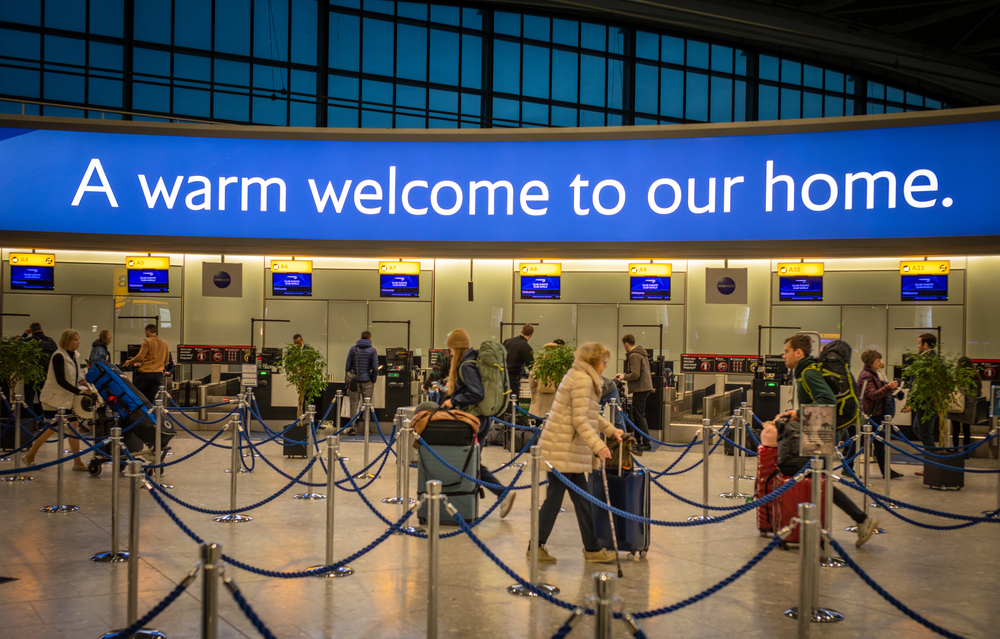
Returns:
(552,362)
(20,361)
(305,368)
(934,379)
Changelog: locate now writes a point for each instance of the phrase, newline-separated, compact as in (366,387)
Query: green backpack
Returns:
(492,366)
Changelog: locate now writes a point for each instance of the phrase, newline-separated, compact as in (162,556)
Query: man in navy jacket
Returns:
(363,360)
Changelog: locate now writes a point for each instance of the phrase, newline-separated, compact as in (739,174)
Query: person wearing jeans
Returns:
(640,386)
(362,358)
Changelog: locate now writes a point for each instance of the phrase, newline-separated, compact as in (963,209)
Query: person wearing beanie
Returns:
(467,390)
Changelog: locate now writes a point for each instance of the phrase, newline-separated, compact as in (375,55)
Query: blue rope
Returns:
(244,509)
(751,453)
(885,595)
(882,499)
(524,412)
(476,480)
(500,421)
(934,463)
(195,435)
(963,450)
(652,439)
(676,461)
(527,447)
(198,421)
(153,613)
(185,457)
(245,435)
(697,463)
(249,612)
(194,408)
(14,471)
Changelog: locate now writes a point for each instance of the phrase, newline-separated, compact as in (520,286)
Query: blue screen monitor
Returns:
(291,284)
(801,288)
(32,278)
(534,287)
(399,285)
(925,287)
(649,288)
(151,281)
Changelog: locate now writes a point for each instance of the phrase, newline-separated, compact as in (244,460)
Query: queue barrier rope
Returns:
(155,611)
(55,462)
(985,471)
(963,450)
(635,429)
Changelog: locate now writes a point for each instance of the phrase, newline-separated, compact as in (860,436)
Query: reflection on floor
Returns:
(948,576)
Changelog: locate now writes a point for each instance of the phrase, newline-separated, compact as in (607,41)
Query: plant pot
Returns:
(940,478)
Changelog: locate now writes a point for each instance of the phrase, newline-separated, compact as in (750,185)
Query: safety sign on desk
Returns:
(248,376)
(718,364)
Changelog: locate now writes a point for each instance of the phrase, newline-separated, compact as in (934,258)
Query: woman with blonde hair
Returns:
(65,379)
(572,444)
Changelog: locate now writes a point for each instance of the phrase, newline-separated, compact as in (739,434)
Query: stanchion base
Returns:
(60,509)
(343,571)
(409,530)
(309,496)
(246,454)
(346,459)
(819,615)
(522,591)
(232,519)
(110,557)
(160,486)
(144,632)
(241,471)
(747,477)
(17,478)
(854,529)
(832,562)
(888,505)
(701,518)
(397,500)
(989,513)
(365,476)
(734,495)
(517,465)
(4,460)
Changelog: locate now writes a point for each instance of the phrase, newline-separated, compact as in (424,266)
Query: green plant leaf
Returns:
(305,369)
(552,363)
(21,360)
(934,379)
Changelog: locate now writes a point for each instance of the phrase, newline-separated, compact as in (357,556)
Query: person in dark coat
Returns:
(100,350)
(49,347)
(963,421)
(640,385)
(876,401)
(519,357)
(363,360)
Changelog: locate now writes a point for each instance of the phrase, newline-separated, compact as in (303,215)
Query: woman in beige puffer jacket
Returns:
(571,442)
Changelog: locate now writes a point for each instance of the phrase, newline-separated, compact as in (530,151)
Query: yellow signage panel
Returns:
(941,267)
(291,266)
(399,268)
(32,259)
(649,270)
(548,268)
(800,268)
(143,262)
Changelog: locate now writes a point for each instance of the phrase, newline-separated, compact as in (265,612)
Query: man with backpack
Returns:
(49,347)
(812,388)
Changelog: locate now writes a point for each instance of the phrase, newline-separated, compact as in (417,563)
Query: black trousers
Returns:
(485,423)
(148,384)
(639,412)
(844,503)
(925,427)
(550,510)
(966,433)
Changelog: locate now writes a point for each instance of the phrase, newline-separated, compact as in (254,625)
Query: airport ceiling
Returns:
(948,48)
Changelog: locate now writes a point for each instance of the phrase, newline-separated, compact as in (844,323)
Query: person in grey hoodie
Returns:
(640,385)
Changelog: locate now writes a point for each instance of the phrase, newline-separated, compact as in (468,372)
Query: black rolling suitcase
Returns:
(185,394)
(455,442)
(630,492)
(942,478)
(298,433)
(131,405)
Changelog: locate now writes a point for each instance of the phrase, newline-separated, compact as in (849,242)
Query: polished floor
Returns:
(951,577)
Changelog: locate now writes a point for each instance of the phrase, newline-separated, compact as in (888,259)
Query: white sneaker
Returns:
(865,530)
(507,504)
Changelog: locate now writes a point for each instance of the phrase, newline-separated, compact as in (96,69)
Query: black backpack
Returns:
(834,364)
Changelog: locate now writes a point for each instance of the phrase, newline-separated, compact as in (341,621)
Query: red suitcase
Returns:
(767,464)
(786,507)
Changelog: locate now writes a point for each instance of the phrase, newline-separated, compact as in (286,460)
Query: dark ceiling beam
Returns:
(830,5)
(940,16)
(979,47)
(798,33)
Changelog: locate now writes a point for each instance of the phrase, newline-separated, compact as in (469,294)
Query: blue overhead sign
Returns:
(907,182)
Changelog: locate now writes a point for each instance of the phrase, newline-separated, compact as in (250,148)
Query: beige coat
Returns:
(542,396)
(570,439)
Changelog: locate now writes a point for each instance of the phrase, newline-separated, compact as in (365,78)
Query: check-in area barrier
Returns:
(396,441)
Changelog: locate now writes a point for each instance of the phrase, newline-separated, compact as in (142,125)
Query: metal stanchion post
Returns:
(827,560)
(604,600)
(887,427)
(114,556)
(244,409)
(313,454)
(433,530)
(989,513)
(747,421)
(158,455)
(406,442)
(736,494)
(60,507)
(398,426)
(134,473)
(17,443)
(332,455)
(234,462)
(238,435)
(367,408)
(211,558)
(706,436)
(867,447)
(518,589)
(339,398)
(513,432)
(809,541)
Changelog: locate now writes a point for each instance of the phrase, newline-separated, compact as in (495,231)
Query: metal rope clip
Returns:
(447,505)
(787,530)
(190,577)
(633,624)
(418,503)
(575,617)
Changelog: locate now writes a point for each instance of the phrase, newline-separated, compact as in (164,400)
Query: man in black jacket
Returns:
(49,347)
(519,355)
(925,426)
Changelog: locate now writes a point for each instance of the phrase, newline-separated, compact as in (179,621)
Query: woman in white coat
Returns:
(65,380)
(571,442)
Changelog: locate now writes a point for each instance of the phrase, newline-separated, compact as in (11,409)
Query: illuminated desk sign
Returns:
(148,274)
(649,281)
(800,282)
(540,281)
(291,278)
(399,279)
(924,281)
(32,271)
